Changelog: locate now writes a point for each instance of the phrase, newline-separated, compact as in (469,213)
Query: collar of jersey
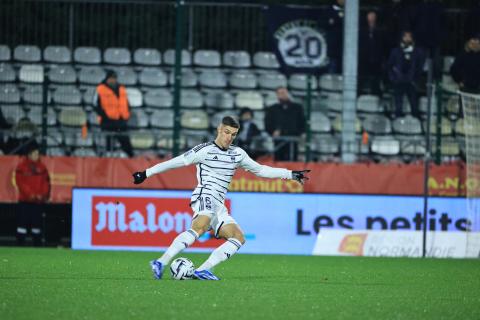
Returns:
(219,146)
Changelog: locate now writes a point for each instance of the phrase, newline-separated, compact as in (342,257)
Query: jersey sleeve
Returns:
(194,155)
(263,171)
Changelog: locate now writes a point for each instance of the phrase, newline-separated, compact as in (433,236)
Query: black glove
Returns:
(300,175)
(139,177)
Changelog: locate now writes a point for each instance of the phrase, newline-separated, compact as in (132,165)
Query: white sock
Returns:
(182,241)
(222,253)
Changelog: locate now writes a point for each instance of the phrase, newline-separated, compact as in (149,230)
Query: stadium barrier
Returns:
(394,179)
(147,220)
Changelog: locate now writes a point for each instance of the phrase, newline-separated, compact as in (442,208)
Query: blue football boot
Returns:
(157,269)
(204,275)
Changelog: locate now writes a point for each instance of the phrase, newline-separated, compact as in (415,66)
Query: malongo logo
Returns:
(301,44)
(133,221)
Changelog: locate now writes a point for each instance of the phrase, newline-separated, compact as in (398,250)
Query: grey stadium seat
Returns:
(135,97)
(319,122)
(333,101)
(158,98)
(5,53)
(154,77)
(423,104)
(213,79)
(9,93)
(337,124)
(33,94)
(411,145)
(368,103)
(57,54)
(142,140)
(84,152)
(73,137)
(407,125)
(62,74)
(31,73)
(35,114)
(243,80)
(194,119)
(326,144)
(27,54)
(126,76)
(332,82)
(219,100)
(120,56)
(12,113)
(447,63)
(207,58)
(386,145)
(218,116)
(147,57)
(237,59)
(56,152)
(191,99)
(72,117)
(88,95)
(87,55)
(266,60)
(138,119)
(169,57)
(272,80)
(445,126)
(298,81)
(377,124)
(189,78)
(162,119)
(249,99)
(449,84)
(91,75)
(270,98)
(7,73)
(67,96)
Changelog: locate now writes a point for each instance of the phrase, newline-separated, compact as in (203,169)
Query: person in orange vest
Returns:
(111,103)
(33,182)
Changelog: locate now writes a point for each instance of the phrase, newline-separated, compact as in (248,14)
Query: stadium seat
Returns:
(369,103)
(57,54)
(56,152)
(120,56)
(74,138)
(135,97)
(219,100)
(411,145)
(9,93)
(162,119)
(72,117)
(461,128)
(217,117)
(35,115)
(191,99)
(249,99)
(87,55)
(165,141)
(332,82)
(153,77)
(194,119)
(67,95)
(386,145)
(243,80)
(449,147)
(337,124)
(116,154)
(33,94)
(325,144)
(272,80)
(445,126)
(29,54)
(7,73)
(195,137)
(298,81)
(449,84)
(147,57)
(377,124)
(91,75)
(138,119)
(88,95)
(452,106)
(447,63)
(259,119)
(54,138)
(331,101)
(84,152)
(142,140)
(407,125)
(126,76)
(237,59)
(169,57)
(423,105)
(5,53)
(266,60)
(189,78)
(270,98)
(319,122)
(158,98)
(62,74)
(12,113)
(31,73)
(213,79)
(207,58)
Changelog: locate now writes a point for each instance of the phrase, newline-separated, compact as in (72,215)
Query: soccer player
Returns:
(216,163)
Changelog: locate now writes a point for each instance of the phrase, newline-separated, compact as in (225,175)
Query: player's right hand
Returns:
(300,176)
(139,177)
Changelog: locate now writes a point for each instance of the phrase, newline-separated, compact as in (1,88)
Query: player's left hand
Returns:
(300,176)
(139,177)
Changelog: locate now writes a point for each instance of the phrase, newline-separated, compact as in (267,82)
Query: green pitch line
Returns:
(67,284)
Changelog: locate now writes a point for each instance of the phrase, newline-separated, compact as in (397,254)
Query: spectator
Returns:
(395,17)
(33,182)
(248,132)
(283,121)
(111,104)
(334,17)
(371,54)
(405,66)
(465,70)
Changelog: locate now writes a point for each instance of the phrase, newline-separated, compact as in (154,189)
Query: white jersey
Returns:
(216,167)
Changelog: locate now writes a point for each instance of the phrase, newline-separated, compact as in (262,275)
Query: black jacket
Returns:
(466,69)
(288,118)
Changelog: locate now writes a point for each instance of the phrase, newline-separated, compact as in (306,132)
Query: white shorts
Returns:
(218,213)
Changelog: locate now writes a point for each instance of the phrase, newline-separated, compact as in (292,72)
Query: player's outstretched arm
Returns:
(140,176)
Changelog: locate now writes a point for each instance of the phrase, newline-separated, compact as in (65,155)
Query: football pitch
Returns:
(67,284)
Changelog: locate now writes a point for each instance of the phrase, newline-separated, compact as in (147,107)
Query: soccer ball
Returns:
(182,269)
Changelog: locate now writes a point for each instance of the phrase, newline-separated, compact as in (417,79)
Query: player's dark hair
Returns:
(231,122)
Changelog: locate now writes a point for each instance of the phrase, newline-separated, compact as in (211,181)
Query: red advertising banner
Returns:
(393,179)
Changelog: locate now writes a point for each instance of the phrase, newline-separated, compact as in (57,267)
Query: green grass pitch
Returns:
(68,284)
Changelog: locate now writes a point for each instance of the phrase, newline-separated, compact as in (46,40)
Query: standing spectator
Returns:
(405,66)
(334,16)
(248,132)
(371,54)
(33,182)
(285,119)
(465,70)
(111,103)
(395,18)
